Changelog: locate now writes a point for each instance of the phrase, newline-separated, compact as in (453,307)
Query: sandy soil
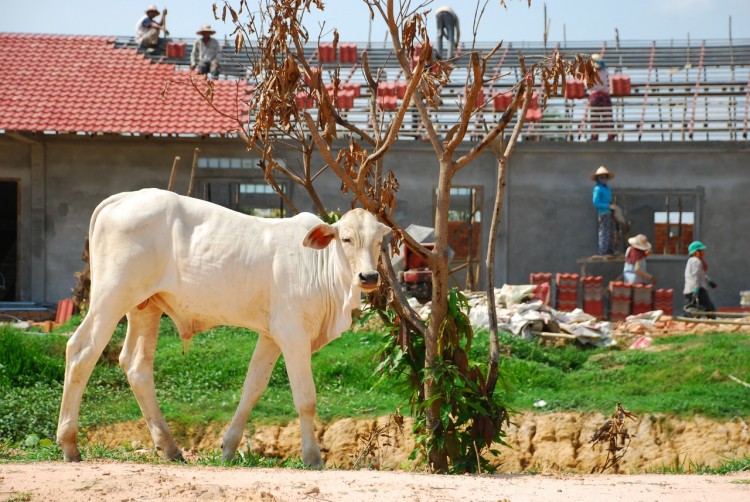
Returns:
(134,482)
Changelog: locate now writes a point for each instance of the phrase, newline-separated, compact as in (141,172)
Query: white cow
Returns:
(295,281)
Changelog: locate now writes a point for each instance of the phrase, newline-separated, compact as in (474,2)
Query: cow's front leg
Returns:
(297,355)
(258,373)
(137,361)
(81,354)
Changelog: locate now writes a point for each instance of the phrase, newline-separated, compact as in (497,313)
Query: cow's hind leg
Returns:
(258,373)
(82,352)
(137,361)
(297,356)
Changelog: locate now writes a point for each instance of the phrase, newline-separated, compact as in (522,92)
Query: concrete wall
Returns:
(548,220)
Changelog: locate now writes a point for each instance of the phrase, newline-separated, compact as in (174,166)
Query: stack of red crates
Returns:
(620,85)
(326,53)
(175,49)
(567,291)
(620,295)
(642,301)
(592,296)
(348,53)
(663,300)
(543,282)
(575,89)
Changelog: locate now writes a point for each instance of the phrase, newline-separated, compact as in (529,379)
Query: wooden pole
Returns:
(173,174)
(191,187)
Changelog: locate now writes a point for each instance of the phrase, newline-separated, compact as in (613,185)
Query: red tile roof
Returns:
(72,84)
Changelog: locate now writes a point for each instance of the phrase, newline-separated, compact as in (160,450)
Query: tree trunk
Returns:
(502,168)
(438,458)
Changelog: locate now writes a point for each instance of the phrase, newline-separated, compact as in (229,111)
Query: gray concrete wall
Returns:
(548,220)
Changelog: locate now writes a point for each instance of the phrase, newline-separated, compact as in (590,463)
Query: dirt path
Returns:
(135,482)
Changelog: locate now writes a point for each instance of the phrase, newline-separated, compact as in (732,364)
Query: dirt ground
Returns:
(135,482)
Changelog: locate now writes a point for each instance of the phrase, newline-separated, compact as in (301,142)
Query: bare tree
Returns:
(275,39)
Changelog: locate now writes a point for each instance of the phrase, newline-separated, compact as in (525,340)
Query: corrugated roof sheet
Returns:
(83,84)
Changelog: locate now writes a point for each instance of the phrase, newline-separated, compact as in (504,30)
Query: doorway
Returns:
(8,240)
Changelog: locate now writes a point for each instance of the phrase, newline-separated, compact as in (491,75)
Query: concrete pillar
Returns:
(37,243)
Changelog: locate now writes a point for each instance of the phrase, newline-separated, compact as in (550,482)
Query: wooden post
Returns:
(191,187)
(175,165)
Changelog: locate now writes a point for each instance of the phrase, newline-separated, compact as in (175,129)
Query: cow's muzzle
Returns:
(369,280)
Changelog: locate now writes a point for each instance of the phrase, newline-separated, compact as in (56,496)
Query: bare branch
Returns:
(463,123)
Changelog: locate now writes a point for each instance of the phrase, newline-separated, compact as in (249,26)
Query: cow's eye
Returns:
(346,240)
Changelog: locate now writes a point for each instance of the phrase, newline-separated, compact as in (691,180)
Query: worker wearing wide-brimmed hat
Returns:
(634,271)
(697,280)
(206,52)
(602,199)
(147,29)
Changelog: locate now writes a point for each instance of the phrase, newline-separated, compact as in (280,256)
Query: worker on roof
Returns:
(206,52)
(602,200)
(600,104)
(447,26)
(147,29)
(696,281)
(634,270)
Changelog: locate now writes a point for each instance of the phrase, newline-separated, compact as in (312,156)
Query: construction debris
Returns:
(520,314)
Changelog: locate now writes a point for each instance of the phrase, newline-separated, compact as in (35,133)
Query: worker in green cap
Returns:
(697,280)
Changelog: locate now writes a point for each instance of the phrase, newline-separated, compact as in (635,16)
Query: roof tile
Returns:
(68,83)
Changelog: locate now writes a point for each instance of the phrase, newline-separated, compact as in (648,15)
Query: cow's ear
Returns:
(319,236)
(385,229)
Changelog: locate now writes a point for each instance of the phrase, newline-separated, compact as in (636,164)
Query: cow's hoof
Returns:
(178,458)
(71,454)
(313,460)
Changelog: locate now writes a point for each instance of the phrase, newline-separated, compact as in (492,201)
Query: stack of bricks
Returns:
(592,296)
(619,300)
(642,301)
(567,292)
(543,283)
(663,300)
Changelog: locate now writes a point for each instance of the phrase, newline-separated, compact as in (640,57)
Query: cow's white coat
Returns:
(154,252)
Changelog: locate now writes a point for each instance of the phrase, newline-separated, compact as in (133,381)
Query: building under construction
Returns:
(73,134)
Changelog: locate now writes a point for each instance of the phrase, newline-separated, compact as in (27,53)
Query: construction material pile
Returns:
(521,314)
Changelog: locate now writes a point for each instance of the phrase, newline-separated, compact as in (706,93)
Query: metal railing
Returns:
(680,90)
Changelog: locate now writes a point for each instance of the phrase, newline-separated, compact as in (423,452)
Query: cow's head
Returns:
(359,234)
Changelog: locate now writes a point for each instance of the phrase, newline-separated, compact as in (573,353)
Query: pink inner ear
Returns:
(319,237)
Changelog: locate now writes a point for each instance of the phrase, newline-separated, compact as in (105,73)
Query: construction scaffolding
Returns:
(677,90)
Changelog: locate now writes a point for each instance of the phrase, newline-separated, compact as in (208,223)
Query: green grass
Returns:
(202,385)
(727,466)
(688,378)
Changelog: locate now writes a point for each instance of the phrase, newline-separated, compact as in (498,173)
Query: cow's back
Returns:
(205,264)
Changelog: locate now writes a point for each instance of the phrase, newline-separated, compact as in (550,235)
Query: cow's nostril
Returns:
(368,277)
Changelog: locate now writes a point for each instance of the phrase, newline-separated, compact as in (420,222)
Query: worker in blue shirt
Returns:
(602,199)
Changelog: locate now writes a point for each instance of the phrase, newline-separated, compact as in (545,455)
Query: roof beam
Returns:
(23,137)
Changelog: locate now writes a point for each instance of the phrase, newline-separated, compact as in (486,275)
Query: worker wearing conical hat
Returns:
(602,199)
(206,52)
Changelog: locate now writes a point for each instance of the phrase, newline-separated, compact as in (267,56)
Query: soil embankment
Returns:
(547,443)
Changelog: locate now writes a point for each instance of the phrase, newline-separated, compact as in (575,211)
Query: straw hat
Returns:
(152,8)
(206,28)
(640,241)
(603,171)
